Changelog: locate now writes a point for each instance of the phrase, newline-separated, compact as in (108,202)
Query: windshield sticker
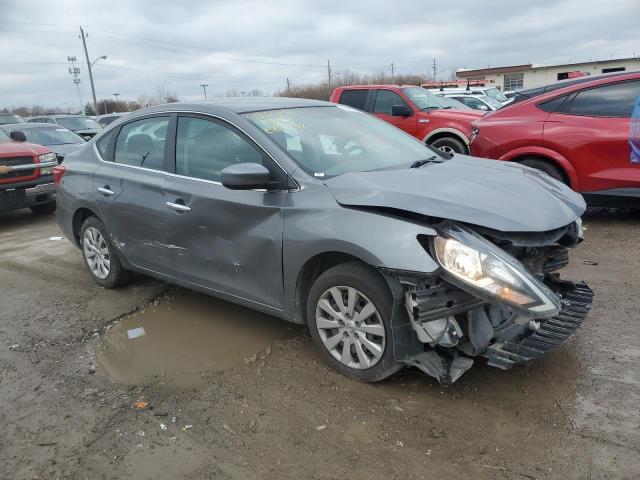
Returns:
(634,133)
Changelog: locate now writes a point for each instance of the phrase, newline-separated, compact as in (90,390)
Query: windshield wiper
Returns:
(424,161)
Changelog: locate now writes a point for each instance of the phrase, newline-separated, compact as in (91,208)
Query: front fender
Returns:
(562,162)
(378,239)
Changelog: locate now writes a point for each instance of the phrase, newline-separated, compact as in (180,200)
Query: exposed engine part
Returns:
(443,331)
(434,298)
(446,369)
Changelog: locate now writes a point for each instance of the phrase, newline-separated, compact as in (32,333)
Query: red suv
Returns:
(440,122)
(578,132)
(26,175)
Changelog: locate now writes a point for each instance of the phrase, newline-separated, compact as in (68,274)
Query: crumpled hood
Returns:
(499,195)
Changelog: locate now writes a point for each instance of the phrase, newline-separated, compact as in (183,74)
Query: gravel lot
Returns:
(250,398)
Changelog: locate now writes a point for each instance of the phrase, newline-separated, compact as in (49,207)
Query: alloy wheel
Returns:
(96,253)
(350,327)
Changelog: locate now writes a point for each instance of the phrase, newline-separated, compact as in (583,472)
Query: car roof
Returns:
(112,114)
(32,125)
(239,105)
(348,87)
(552,87)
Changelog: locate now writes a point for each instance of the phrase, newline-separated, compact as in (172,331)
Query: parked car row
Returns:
(577,131)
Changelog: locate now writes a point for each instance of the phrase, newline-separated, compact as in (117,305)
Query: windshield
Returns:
(77,123)
(491,101)
(51,136)
(424,100)
(330,141)
(495,94)
(10,118)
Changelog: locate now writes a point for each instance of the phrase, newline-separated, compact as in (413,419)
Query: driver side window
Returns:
(204,148)
(385,99)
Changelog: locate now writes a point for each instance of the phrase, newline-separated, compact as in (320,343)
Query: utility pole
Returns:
(75,71)
(434,70)
(288,85)
(116,95)
(329,73)
(86,54)
(393,72)
(204,87)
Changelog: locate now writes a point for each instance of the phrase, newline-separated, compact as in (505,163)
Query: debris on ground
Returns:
(135,333)
(141,404)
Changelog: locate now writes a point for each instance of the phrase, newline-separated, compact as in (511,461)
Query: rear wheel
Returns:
(450,145)
(547,167)
(44,209)
(349,316)
(100,255)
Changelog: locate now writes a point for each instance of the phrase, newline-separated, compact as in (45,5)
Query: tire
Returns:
(94,236)
(450,145)
(547,167)
(44,209)
(365,362)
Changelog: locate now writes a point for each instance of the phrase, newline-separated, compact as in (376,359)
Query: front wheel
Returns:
(349,316)
(100,255)
(450,145)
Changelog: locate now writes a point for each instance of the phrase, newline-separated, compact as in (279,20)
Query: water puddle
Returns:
(182,337)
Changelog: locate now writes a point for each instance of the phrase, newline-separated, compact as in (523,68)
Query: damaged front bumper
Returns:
(539,338)
(447,324)
(489,331)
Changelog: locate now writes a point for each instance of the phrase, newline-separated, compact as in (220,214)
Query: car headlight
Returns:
(47,158)
(475,262)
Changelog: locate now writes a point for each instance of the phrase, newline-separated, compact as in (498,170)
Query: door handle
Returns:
(178,207)
(106,190)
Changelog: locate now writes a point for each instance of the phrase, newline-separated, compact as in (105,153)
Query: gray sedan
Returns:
(392,253)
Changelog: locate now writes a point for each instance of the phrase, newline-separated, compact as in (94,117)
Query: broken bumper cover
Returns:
(551,333)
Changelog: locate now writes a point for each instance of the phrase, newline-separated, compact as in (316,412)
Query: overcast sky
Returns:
(258,44)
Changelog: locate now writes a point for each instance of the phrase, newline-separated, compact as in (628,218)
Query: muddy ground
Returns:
(234,394)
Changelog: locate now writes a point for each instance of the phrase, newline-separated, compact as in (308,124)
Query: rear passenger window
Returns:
(354,98)
(141,143)
(553,104)
(103,144)
(204,148)
(387,99)
(614,100)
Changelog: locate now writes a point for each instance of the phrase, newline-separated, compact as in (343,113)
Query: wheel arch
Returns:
(545,154)
(79,217)
(446,132)
(312,269)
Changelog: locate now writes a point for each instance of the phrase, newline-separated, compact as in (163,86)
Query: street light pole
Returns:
(204,87)
(86,54)
(116,95)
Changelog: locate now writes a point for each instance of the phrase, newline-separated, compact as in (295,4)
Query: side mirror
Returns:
(18,136)
(483,107)
(245,176)
(401,111)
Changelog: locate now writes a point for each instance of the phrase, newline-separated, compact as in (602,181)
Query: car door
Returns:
(591,129)
(130,194)
(229,241)
(382,108)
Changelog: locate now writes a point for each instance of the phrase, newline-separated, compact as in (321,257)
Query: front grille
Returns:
(552,333)
(15,161)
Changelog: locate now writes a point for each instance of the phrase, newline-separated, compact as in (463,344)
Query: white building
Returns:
(534,75)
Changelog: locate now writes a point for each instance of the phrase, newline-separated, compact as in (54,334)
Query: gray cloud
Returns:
(253,44)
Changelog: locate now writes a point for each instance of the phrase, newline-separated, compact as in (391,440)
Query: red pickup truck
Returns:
(437,121)
(26,175)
